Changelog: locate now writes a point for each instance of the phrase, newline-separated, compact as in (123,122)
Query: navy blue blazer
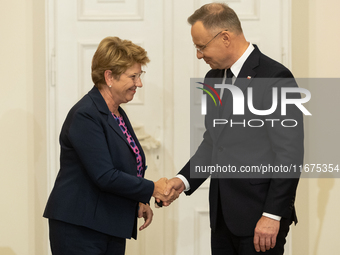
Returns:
(243,200)
(97,184)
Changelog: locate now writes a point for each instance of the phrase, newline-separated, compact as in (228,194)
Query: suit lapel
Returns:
(243,80)
(129,127)
(104,110)
(212,78)
(114,125)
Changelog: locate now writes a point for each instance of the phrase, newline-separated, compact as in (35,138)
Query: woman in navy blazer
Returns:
(100,190)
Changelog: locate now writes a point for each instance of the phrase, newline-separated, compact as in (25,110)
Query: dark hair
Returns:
(217,15)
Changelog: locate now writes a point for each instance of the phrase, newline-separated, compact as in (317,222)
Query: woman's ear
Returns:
(108,77)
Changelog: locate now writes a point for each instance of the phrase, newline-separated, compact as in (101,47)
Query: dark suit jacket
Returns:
(97,185)
(243,200)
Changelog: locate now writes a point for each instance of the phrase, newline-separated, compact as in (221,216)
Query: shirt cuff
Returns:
(272,216)
(185,181)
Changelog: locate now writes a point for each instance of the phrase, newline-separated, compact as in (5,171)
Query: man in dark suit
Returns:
(247,214)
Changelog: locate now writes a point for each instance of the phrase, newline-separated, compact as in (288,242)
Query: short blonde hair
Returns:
(116,55)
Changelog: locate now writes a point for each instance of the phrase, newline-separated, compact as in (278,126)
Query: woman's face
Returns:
(124,89)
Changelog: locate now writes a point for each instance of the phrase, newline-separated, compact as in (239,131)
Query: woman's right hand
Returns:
(159,189)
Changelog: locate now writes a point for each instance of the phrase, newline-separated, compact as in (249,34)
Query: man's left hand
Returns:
(265,233)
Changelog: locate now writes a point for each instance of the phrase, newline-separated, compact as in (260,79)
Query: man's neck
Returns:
(241,46)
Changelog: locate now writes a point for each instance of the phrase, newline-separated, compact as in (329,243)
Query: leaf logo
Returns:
(209,93)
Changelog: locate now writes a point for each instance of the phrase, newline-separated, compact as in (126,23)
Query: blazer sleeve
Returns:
(86,136)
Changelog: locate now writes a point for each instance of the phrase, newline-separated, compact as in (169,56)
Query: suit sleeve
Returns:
(203,155)
(200,158)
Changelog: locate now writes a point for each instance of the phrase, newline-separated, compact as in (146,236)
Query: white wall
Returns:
(316,54)
(22,127)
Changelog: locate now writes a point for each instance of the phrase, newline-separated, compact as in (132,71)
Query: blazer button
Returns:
(220,149)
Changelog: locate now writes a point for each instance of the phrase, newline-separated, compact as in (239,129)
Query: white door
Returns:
(75,30)
(160,110)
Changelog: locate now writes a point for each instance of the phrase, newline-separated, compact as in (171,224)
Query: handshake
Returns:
(166,191)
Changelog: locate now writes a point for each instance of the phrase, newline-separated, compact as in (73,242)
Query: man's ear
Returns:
(226,36)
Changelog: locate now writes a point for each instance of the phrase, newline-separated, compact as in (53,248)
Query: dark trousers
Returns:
(69,239)
(223,242)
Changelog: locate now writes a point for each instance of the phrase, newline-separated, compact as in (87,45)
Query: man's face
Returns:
(215,53)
